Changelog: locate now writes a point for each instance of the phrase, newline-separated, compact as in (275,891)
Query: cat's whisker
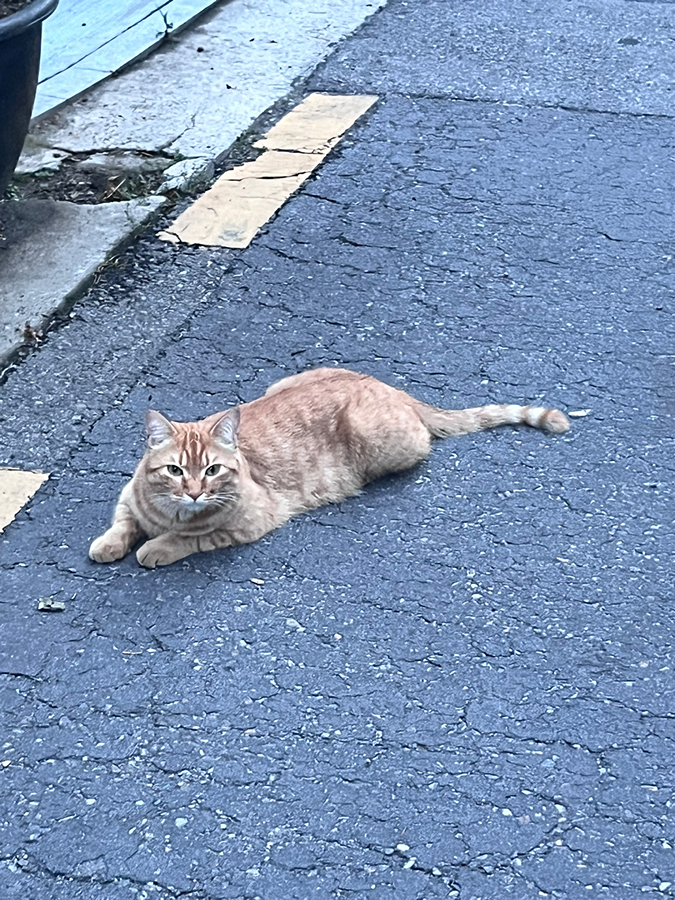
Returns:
(222,501)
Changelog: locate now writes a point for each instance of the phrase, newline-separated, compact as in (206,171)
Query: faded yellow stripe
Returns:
(316,124)
(242,200)
(16,489)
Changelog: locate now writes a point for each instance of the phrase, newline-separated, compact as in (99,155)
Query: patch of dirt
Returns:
(85,179)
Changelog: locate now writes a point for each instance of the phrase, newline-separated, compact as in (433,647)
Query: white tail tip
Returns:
(555,421)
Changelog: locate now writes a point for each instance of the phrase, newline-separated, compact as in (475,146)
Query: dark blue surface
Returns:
(456,685)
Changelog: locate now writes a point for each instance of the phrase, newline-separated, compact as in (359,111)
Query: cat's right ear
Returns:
(158,429)
(226,429)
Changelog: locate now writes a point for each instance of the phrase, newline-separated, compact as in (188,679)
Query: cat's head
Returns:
(190,467)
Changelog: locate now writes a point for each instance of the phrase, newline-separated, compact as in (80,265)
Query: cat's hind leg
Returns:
(397,443)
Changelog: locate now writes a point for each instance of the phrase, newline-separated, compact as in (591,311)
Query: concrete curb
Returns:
(52,257)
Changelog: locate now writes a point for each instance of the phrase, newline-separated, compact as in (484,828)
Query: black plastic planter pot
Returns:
(20,41)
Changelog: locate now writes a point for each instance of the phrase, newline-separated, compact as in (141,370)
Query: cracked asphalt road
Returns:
(459,684)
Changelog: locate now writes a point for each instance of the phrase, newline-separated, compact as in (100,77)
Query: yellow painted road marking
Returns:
(232,212)
(316,124)
(16,489)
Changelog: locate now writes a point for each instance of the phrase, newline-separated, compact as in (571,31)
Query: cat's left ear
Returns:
(158,429)
(225,431)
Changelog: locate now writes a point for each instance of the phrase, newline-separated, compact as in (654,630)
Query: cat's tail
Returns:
(445,422)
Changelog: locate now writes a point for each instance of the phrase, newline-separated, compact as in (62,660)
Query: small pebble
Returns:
(48,604)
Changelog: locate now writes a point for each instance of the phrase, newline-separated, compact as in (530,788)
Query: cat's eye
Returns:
(174,470)
(213,470)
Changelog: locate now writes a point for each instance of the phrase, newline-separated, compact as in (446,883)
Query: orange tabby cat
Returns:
(312,439)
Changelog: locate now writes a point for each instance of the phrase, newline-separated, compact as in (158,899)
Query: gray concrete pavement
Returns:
(171,117)
(52,252)
(194,97)
(457,685)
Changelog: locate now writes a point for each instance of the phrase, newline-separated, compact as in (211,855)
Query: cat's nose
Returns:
(195,495)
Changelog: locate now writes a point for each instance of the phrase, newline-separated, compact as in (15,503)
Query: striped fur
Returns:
(312,439)
(444,422)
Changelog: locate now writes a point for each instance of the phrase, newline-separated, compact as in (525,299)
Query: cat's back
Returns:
(321,435)
(316,400)
(310,402)
(326,420)
(319,381)
(299,437)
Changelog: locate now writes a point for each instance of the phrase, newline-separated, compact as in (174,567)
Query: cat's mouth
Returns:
(186,507)
(192,504)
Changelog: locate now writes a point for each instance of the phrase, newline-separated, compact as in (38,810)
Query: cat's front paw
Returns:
(107,548)
(159,552)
